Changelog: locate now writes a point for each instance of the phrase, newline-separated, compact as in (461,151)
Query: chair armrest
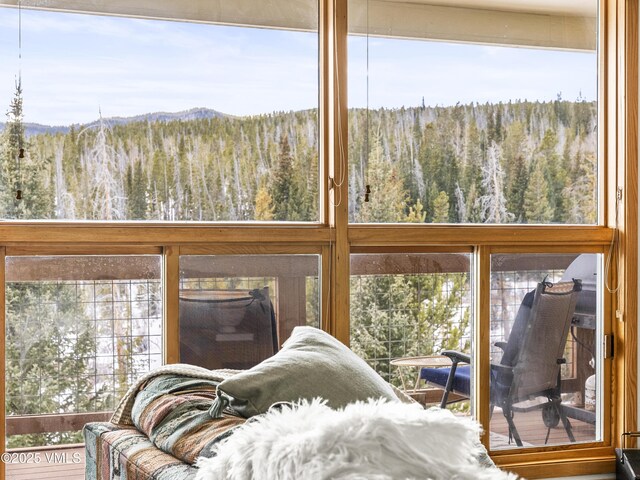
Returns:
(456,357)
(501,368)
(501,345)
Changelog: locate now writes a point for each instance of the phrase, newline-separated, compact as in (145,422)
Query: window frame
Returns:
(335,238)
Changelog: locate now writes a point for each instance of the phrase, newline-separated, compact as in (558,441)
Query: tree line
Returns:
(516,162)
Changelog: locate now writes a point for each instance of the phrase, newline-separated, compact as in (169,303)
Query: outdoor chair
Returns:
(531,359)
(227,328)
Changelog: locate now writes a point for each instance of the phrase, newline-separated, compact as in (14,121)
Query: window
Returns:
(79,331)
(237,310)
(410,305)
(572,337)
(214,119)
(473,115)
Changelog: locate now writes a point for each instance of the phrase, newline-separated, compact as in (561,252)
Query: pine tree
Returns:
(13,138)
(518,187)
(263,208)
(581,194)
(29,174)
(388,198)
(441,208)
(416,213)
(136,192)
(555,174)
(285,193)
(536,205)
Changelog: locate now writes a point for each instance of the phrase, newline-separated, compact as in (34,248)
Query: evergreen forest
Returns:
(516,162)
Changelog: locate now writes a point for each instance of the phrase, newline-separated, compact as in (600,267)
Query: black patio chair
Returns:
(531,361)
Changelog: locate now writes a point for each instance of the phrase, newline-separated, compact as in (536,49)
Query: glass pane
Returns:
(209,116)
(79,331)
(461,113)
(546,376)
(237,310)
(405,310)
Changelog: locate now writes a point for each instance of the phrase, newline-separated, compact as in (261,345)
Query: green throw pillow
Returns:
(310,364)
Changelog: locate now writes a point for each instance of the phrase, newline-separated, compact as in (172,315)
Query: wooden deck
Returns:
(55,464)
(533,431)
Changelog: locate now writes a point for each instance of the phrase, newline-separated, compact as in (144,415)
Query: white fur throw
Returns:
(371,440)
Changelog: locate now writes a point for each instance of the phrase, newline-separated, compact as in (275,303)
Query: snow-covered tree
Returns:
(492,203)
(106,189)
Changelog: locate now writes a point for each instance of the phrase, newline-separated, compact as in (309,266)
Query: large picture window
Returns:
(473,115)
(160,119)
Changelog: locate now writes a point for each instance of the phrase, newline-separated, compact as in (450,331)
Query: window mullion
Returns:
(482,330)
(170,292)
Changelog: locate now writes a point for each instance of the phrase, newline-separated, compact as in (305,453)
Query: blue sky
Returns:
(73,65)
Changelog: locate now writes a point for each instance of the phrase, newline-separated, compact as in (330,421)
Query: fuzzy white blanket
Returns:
(366,440)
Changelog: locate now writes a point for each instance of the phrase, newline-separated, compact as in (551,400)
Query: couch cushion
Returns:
(310,364)
(439,376)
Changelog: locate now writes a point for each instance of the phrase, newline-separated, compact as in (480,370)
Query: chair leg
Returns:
(513,431)
(565,421)
(449,386)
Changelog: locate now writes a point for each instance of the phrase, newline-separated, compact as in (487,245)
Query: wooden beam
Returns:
(83,268)
(425,234)
(229,266)
(67,422)
(291,305)
(130,267)
(122,233)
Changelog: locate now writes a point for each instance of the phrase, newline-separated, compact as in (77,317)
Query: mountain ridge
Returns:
(195,113)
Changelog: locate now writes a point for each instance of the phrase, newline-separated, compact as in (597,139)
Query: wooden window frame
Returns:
(335,238)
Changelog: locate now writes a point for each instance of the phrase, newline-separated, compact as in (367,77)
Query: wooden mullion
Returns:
(170,292)
(325,102)
(338,170)
(481,335)
(325,290)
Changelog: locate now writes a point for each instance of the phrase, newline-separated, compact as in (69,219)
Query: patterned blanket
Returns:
(122,413)
(172,411)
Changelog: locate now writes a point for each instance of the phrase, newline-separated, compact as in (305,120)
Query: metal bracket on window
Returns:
(608,343)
